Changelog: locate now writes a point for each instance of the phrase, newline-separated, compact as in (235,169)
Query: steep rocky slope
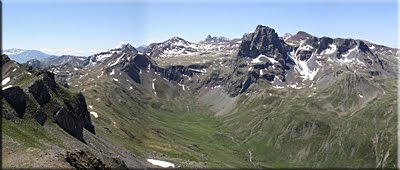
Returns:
(42,117)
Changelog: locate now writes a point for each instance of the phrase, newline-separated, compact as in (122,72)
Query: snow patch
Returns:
(257,60)
(197,70)
(294,86)
(261,72)
(306,47)
(100,74)
(112,72)
(6,87)
(148,68)
(153,86)
(372,47)
(163,164)
(94,114)
(348,52)
(332,48)
(305,71)
(5,81)
(278,87)
(116,62)
(182,85)
(273,61)
(361,96)
(103,56)
(218,86)
(353,61)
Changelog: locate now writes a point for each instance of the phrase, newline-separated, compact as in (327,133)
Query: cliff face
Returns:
(30,93)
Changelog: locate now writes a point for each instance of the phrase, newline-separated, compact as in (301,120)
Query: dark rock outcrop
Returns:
(304,55)
(74,116)
(40,92)
(49,81)
(176,72)
(324,43)
(271,50)
(263,41)
(4,60)
(17,99)
(40,116)
(70,122)
(82,108)
(84,160)
(133,67)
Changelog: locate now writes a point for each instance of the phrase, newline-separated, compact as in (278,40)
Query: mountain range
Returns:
(260,101)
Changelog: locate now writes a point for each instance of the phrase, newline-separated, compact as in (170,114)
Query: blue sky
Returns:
(73,27)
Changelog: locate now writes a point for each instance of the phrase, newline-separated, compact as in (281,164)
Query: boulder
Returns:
(84,160)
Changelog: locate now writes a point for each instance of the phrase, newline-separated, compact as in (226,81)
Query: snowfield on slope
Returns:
(5,81)
(163,164)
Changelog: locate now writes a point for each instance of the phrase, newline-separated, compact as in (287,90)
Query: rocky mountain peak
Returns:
(128,47)
(176,39)
(208,38)
(211,39)
(263,41)
(302,35)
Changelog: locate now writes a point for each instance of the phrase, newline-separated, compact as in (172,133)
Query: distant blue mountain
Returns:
(22,56)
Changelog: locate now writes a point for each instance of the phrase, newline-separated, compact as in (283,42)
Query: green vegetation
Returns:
(29,133)
(271,128)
